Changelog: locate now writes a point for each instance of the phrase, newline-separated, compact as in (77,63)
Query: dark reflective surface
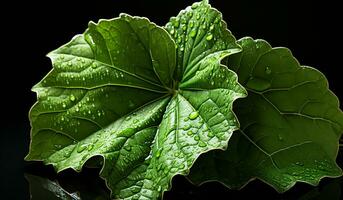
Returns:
(44,183)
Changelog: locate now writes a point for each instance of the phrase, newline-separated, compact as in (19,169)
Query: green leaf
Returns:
(290,124)
(199,32)
(112,94)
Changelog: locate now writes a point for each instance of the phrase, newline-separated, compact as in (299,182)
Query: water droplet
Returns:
(280,137)
(159,188)
(186,127)
(209,37)
(176,22)
(94,65)
(211,27)
(190,133)
(258,84)
(172,31)
(135,121)
(210,134)
(202,144)
(176,154)
(217,20)
(128,118)
(184,27)
(131,104)
(190,14)
(72,98)
(185,119)
(182,166)
(158,153)
(62,118)
(194,6)
(193,33)
(196,138)
(127,148)
(181,48)
(64,105)
(198,16)
(139,183)
(179,40)
(81,148)
(90,147)
(193,115)
(191,24)
(268,70)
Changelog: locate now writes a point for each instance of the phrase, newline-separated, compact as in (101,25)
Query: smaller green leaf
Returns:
(290,124)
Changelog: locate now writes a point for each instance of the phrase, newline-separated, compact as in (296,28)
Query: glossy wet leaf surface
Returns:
(290,124)
(123,92)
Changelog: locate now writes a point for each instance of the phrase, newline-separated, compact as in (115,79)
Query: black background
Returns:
(29,30)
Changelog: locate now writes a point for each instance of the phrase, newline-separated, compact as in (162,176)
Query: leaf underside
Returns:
(290,124)
(144,102)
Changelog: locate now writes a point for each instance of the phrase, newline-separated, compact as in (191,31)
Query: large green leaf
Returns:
(112,94)
(290,123)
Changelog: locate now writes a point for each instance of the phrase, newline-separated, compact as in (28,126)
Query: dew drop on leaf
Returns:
(210,134)
(198,16)
(209,37)
(158,153)
(299,163)
(186,127)
(280,137)
(72,98)
(190,133)
(202,144)
(90,147)
(194,6)
(193,33)
(81,148)
(193,115)
(268,70)
(127,148)
(131,104)
(191,24)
